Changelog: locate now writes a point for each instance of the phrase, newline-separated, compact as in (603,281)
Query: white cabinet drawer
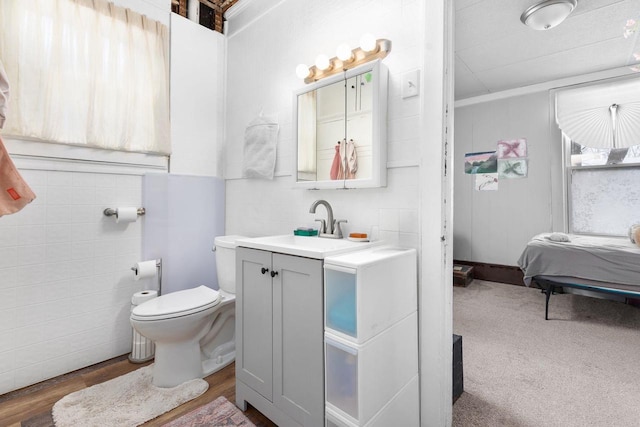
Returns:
(403,411)
(368,291)
(361,379)
(340,298)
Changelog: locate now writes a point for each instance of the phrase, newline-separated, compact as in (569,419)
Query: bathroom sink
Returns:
(310,247)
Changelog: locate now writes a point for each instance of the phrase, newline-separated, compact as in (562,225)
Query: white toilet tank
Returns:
(226,262)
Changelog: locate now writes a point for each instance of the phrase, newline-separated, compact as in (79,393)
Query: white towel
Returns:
(348,152)
(260,141)
(15,193)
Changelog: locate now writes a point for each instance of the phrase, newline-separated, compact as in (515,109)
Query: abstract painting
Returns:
(484,162)
(512,168)
(486,182)
(512,148)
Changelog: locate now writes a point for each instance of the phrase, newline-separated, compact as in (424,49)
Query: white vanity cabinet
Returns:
(279,336)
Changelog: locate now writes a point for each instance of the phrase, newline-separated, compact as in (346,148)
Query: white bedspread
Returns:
(605,259)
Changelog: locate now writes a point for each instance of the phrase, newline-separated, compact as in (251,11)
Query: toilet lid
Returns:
(178,303)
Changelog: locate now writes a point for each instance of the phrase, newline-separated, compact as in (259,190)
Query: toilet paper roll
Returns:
(142,296)
(145,269)
(126,214)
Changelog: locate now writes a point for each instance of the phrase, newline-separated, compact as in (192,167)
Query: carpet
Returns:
(218,413)
(578,369)
(128,400)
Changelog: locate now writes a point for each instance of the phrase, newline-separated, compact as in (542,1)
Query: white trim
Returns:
(435,290)
(566,181)
(72,165)
(37,155)
(541,87)
(237,8)
(241,7)
(557,174)
(48,150)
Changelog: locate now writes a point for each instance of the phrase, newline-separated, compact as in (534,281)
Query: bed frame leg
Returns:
(550,289)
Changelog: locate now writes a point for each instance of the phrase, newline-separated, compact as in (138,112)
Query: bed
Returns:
(595,263)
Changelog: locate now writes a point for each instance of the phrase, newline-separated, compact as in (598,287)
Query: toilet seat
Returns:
(177,304)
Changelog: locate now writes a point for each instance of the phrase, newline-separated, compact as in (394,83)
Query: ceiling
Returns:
(494,51)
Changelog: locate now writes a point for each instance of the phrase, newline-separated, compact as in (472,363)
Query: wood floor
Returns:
(31,406)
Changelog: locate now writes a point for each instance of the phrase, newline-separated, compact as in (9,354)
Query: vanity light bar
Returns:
(336,65)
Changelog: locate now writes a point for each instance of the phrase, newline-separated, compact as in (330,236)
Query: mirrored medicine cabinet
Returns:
(340,127)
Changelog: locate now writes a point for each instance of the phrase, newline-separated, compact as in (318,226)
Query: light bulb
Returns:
(322,62)
(343,52)
(368,42)
(302,71)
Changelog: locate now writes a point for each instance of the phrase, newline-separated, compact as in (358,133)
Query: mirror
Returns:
(341,130)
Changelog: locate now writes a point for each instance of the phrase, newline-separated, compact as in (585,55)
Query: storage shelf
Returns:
(360,379)
(368,291)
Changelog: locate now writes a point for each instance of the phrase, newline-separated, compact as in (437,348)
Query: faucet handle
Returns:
(338,230)
(323,226)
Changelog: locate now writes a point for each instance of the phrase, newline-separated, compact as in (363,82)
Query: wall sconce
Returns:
(345,59)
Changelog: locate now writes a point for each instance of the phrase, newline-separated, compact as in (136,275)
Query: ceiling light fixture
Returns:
(345,59)
(547,14)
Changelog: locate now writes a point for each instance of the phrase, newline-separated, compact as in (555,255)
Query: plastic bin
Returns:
(367,291)
(402,410)
(361,379)
(340,300)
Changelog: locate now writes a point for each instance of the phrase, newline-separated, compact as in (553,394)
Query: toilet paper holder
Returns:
(112,212)
(159,267)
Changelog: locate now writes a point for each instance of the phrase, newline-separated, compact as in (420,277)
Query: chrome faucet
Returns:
(330,228)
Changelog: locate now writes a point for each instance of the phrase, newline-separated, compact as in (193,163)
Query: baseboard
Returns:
(495,273)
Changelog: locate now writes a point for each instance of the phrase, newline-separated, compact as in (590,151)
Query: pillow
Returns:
(634,234)
(558,237)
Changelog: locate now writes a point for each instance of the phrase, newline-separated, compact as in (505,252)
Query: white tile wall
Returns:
(307,28)
(65,279)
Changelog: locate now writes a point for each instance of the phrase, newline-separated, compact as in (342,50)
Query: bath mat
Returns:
(125,401)
(218,413)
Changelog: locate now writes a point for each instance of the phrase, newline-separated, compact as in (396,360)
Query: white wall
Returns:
(495,226)
(262,56)
(65,283)
(265,43)
(185,213)
(65,278)
(197,85)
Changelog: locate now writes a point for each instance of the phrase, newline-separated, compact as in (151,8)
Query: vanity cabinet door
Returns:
(254,330)
(298,338)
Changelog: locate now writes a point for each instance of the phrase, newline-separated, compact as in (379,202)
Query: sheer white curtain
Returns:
(86,72)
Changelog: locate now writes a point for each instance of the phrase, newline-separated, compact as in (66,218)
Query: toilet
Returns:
(193,329)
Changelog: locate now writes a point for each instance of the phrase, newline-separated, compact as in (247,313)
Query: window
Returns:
(581,155)
(601,133)
(86,72)
(603,189)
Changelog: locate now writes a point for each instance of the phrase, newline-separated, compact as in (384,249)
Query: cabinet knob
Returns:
(264,270)
(274,273)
